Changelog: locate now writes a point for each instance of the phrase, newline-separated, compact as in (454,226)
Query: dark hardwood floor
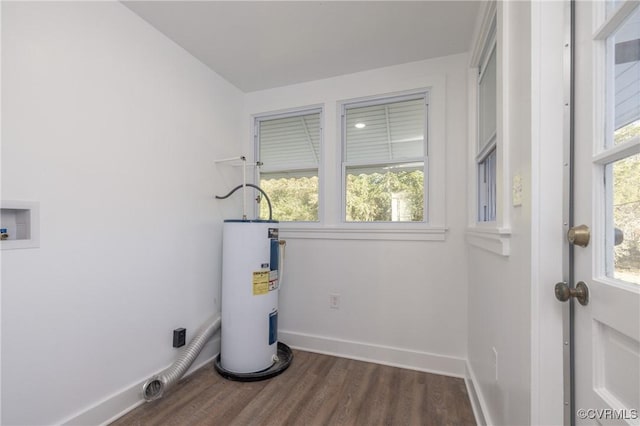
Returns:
(315,390)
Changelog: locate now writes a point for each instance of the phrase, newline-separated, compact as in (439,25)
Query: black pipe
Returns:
(252,186)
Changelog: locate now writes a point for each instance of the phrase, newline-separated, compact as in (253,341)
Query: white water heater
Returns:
(250,283)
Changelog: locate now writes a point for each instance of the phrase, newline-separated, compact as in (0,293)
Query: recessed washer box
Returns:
(20,222)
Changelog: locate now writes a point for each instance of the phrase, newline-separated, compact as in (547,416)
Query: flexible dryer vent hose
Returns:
(155,387)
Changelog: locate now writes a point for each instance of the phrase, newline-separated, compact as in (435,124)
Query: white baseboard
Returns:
(478,403)
(386,355)
(125,400)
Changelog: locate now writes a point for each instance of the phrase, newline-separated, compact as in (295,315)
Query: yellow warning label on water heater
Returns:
(260,282)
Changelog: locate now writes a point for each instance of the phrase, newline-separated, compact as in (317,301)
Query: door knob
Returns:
(580,292)
(579,235)
(618,236)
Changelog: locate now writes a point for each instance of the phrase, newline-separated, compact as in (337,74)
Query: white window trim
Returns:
(485,147)
(360,233)
(491,236)
(292,112)
(330,225)
(383,100)
(436,228)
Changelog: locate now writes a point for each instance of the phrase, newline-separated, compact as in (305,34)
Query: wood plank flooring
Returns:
(315,390)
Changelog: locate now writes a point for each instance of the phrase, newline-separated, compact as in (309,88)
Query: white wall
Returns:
(402,302)
(500,286)
(113,129)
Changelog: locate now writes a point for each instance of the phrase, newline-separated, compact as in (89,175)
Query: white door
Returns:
(607,200)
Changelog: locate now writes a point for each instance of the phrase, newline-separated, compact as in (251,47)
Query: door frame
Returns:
(568,347)
(550,108)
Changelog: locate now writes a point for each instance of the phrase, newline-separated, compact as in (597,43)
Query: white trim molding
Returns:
(478,403)
(488,11)
(494,240)
(385,355)
(364,233)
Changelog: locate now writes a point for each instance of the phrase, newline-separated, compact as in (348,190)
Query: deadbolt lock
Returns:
(579,235)
(580,292)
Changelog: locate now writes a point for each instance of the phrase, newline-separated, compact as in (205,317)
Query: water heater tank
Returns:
(249,295)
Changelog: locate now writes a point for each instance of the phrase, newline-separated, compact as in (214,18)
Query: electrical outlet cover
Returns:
(334,301)
(179,337)
(517,190)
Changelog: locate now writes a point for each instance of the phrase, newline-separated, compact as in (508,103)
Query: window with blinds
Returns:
(486,155)
(384,152)
(288,146)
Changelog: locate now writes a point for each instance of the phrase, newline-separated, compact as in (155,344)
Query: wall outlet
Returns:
(495,362)
(334,301)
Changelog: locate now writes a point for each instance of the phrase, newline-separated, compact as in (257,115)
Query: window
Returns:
(622,135)
(487,131)
(288,146)
(383,159)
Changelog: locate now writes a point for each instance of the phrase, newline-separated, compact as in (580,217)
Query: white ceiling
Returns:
(263,44)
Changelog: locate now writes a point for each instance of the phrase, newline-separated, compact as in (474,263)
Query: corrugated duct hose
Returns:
(156,386)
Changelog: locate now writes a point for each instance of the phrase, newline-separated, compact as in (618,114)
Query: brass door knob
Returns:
(579,235)
(580,292)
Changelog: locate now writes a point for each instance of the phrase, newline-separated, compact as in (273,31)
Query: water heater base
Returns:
(285,356)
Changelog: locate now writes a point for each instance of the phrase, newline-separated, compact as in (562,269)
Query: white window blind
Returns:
(487,102)
(391,132)
(290,146)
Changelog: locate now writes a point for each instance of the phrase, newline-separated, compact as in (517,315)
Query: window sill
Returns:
(316,231)
(494,240)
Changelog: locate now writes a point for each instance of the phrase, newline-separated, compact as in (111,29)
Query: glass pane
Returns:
(628,132)
(379,133)
(624,234)
(290,142)
(393,193)
(487,188)
(487,102)
(293,198)
(624,59)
